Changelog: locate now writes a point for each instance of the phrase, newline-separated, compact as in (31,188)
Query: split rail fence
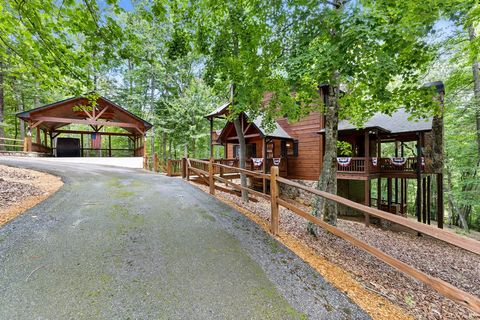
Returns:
(11,144)
(212,171)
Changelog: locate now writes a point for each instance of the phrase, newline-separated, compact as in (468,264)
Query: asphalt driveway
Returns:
(117,243)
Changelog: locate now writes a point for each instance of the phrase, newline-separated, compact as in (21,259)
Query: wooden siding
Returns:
(307,164)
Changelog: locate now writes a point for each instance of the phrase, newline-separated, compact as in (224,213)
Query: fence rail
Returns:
(206,170)
(11,143)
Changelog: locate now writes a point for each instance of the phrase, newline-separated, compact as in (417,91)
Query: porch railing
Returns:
(383,165)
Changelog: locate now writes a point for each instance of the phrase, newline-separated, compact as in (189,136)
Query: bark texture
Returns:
(242,156)
(476,86)
(328,177)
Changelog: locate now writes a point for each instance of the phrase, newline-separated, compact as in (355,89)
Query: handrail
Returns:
(11,139)
(466,299)
(247,172)
(458,241)
(439,285)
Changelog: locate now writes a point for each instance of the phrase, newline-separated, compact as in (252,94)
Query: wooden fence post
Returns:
(211,180)
(274,192)
(27,143)
(145,162)
(155,162)
(184,168)
(169,167)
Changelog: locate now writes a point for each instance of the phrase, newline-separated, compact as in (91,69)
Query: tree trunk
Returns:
(164,147)
(451,207)
(237,121)
(476,86)
(242,156)
(2,105)
(328,177)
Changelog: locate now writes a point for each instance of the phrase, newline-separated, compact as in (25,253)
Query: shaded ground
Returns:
(456,266)
(126,244)
(21,189)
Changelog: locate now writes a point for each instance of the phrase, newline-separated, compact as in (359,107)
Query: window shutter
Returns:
(295,148)
(283,148)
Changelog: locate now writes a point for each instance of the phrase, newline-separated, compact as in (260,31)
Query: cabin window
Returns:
(289,148)
(251,150)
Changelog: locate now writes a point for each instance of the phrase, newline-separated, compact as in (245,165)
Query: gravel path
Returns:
(118,243)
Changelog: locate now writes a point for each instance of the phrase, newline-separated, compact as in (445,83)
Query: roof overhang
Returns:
(79,110)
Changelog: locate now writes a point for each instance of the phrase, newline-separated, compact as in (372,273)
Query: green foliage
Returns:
(344,148)
(374,51)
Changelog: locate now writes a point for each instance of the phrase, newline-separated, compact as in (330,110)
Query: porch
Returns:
(374,165)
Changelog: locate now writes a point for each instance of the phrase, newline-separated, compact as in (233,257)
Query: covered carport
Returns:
(89,122)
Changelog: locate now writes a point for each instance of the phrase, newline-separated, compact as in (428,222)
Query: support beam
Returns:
(389,194)
(424,200)
(100,113)
(419,180)
(440,209)
(81,144)
(110,146)
(211,137)
(402,196)
(367,201)
(379,193)
(37,136)
(264,154)
(429,199)
(88,122)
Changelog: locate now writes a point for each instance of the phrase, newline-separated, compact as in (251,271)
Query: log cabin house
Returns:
(388,151)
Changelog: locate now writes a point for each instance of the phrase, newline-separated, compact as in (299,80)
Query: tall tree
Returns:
(241,48)
(370,55)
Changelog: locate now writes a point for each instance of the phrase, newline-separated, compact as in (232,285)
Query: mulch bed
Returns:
(434,257)
(21,189)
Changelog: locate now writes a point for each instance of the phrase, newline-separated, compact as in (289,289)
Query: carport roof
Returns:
(79,110)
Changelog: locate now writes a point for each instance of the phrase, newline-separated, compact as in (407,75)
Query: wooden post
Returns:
(429,195)
(367,154)
(145,158)
(155,162)
(27,144)
(367,201)
(424,199)
(389,194)
(440,200)
(274,193)
(264,151)
(211,137)
(187,170)
(37,136)
(169,167)
(81,144)
(379,193)
(419,180)
(211,180)
(184,168)
(45,142)
(110,146)
(402,196)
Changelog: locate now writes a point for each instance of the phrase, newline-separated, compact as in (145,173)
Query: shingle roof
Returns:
(278,131)
(219,111)
(398,122)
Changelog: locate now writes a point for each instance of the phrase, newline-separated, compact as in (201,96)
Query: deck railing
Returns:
(382,165)
(206,172)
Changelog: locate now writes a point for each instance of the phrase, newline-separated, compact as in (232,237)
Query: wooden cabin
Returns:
(389,149)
